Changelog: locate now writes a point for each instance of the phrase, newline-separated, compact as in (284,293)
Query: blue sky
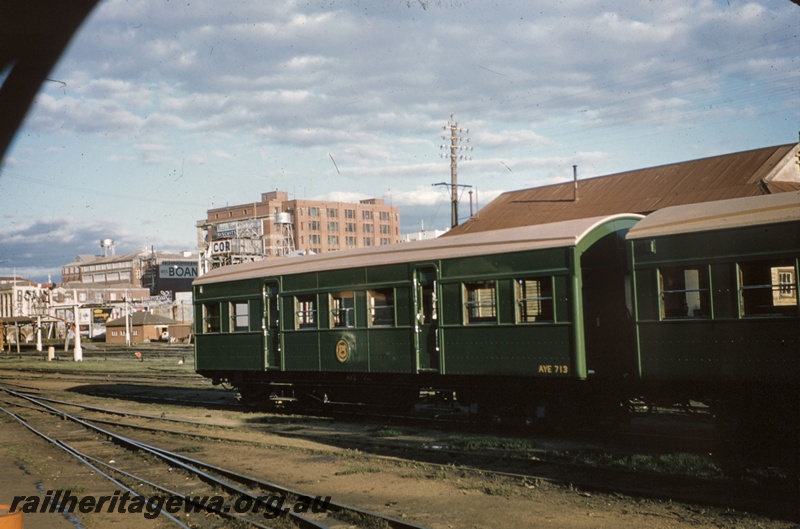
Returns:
(161,110)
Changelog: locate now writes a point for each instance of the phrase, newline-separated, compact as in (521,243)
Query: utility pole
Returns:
(455,149)
(77,350)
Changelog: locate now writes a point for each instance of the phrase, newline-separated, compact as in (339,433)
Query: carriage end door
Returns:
(270,326)
(426,319)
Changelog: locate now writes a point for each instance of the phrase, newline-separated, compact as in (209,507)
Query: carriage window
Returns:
(534,300)
(343,309)
(479,302)
(684,293)
(305,312)
(381,307)
(211,317)
(239,317)
(768,287)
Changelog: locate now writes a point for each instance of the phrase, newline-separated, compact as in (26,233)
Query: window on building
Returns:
(240,321)
(384,215)
(211,315)
(333,226)
(350,227)
(333,240)
(369,241)
(333,213)
(386,229)
(343,309)
(381,307)
(305,310)
(535,300)
(480,304)
(314,225)
(368,228)
(684,292)
(366,215)
(768,288)
(351,241)
(349,213)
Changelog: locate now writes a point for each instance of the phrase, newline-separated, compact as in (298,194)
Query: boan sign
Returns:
(183,271)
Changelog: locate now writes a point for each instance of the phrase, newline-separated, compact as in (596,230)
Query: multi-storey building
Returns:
(277,227)
(164,274)
(156,281)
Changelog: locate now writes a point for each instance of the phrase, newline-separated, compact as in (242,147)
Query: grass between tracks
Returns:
(118,363)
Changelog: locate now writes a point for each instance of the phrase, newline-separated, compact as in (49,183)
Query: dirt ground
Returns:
(430,496)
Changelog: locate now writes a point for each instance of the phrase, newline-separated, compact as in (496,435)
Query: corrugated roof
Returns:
(555,235)
(742,174)
(720,214)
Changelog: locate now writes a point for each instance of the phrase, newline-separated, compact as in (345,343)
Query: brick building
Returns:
(277,227)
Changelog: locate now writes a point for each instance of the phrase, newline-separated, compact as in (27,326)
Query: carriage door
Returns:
(270,326)
(426,324)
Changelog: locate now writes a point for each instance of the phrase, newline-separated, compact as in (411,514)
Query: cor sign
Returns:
(220,247)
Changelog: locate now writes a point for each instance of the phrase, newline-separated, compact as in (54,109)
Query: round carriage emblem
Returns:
(342,350)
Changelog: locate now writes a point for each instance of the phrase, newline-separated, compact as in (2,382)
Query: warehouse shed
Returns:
(764,171)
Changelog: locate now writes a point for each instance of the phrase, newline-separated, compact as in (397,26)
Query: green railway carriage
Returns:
(716,305)
(495,316)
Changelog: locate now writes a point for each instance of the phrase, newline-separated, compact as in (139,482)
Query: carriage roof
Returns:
(719,215)
(543,236)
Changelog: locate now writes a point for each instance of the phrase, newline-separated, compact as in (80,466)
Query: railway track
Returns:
(244,499)
(141,389)
(527,467)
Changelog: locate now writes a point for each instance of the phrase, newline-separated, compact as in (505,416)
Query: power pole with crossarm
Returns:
(456,149)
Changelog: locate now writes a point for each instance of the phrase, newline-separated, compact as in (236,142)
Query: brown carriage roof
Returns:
(554,235)
(721,214)
(742,174)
